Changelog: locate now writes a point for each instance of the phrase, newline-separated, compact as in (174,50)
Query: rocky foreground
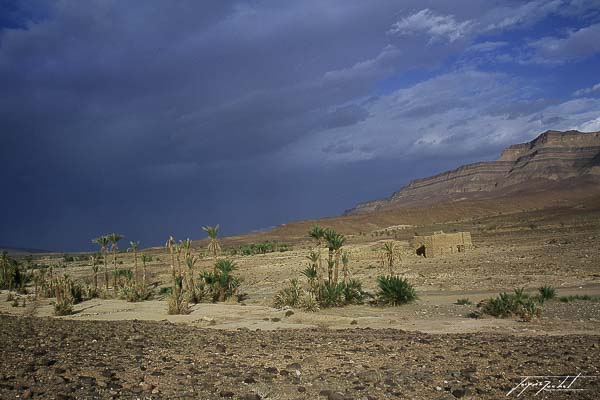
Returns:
(59,359)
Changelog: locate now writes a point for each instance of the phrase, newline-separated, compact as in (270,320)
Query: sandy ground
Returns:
(433,312)
(430,349)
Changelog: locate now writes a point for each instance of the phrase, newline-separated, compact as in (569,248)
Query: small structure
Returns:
(441,243)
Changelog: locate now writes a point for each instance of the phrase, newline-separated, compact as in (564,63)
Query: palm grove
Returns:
(328,278)
(324,288)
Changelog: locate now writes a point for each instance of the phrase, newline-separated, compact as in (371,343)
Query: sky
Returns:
(155,118)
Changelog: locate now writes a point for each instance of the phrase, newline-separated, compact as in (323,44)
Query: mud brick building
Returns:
(441,243)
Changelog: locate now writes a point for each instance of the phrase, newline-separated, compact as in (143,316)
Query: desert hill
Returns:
(567,158)
(558,172)
(22,251)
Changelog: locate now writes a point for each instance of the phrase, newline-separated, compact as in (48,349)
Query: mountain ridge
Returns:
(551,157)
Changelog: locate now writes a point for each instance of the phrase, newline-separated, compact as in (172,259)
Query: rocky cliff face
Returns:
(552,156)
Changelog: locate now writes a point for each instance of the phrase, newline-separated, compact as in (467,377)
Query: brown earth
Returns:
(430,349)
(57,359)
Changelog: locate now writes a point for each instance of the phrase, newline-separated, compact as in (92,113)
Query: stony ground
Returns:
(330,354)
(59,359)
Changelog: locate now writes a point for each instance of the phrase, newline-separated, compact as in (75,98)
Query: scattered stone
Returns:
(221,348)
(251,396)
(294,366)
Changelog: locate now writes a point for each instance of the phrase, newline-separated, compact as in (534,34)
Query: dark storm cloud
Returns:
(154,118)
(105,102)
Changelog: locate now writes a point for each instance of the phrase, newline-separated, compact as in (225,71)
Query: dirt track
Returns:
(61,359)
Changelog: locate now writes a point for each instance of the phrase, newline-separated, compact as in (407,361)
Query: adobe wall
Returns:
(443,243)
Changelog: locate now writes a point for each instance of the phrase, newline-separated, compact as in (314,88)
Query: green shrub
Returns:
(134,293)
(178,303)
(353,293)
(165,291)
(197,291)
(464,302)
(394,290)
(289,296)
(13,276)
(584,297)
(63,289)
(309,303)
(546,293)
(518,303)
(221,284)
(262,248)
(123,273)
(331,294)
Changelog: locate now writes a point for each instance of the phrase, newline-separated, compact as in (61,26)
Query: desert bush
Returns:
(165,291)
(178,303)
(221,284)
(308,302)
(584,297)
(134,293)
(13,276)
(123,275)
(394,290)
(331,294)
(56,286)
(289,296)
(63,291)
(518,303)
(261,248)
(197,292)
(464,302)
(546,292)
(89,291)
(310,272)
(353,293)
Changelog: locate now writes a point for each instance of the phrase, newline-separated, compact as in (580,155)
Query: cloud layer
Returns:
(156,118)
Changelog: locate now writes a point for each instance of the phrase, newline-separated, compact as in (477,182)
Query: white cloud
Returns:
(581,92)
(578,44)
(367,69)
(436,26)
(461,114)
(590,126)
(501,18)
(487,46)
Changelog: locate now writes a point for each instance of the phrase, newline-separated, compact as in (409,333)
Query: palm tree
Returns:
(390,254)
(94,260)
(190,262)
(134,248)
(114,239)
(187,248)
(170,244)
(313,268)
(345,261)
(103,242)
(178,250)
(225,280)
(145,259)
(335,241)
(214,247)
(318,233)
